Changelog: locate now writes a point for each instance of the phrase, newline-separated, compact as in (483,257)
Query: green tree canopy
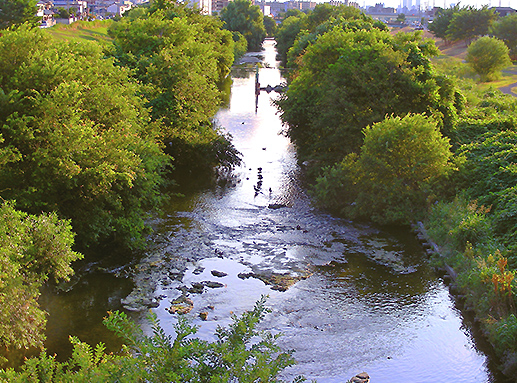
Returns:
(180,56)
(304,29)
(33,249)
(287,34)
(76,138)
(241,16)
(487,56)
(355,22)
(16,12)
(505,28)
(442,20)
(391,180)
(349,80)
(270,25)
(469,23)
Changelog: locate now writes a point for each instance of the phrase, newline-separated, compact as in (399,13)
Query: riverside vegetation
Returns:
(92,133)
(91,136)
(389,135)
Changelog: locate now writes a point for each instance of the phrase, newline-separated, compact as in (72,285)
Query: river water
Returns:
(365,298)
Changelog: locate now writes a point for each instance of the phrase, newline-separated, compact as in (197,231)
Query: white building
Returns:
(119,8)
(204,5)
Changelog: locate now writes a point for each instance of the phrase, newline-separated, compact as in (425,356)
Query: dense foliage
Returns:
(506,29)
(180,56)
(349,80)
(80,139)
(243,17)
(488,56)
(299,30)
(33,249)
(394,176)
(16,12)
(240,354)
(462,23)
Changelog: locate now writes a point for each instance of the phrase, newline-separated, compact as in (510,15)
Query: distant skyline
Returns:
(438,3)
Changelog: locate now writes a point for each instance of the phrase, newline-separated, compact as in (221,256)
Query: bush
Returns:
(488,56)
(392,179)
(240,354)
(33,249)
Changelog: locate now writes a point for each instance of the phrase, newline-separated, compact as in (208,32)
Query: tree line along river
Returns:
(347,297)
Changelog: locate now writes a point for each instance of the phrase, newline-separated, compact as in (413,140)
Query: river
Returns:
(365,298)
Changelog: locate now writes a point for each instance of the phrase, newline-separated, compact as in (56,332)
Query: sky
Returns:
(440,3)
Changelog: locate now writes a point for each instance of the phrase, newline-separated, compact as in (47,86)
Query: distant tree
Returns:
(287,34)
(441,21)
(506,29)
(469,23)
(63,13)
(16,12)
(270,25)
(488,56)
(292,12)
(401,18)
(241,16)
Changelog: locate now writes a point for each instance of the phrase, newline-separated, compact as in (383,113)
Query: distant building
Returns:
(379,9)
(218,5)
(204,5)
(119,8)
(503,11)
(338,2)
(46,13)
(80,6)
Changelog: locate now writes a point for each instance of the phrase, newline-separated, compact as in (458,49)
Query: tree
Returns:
(80,139)
(487,56)
(181,56)
(241,16)
(505,28)
(401,18)
(63,13)
(16,12)
(270,25)
(240,353)
(287,34)
(33,250)
(470,23)
(349,80)
(351,23)
(442,20)
(392,178)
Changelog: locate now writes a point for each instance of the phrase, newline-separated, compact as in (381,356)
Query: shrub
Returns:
(488,56)
(240,354)
(391,179)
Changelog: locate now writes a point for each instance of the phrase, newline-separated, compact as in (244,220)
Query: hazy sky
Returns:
(440,3)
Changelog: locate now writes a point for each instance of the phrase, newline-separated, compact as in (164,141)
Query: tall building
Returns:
(204,5)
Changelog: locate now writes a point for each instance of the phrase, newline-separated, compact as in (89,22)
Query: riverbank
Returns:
(471,281)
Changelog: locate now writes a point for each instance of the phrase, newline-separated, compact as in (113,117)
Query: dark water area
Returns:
(362,298)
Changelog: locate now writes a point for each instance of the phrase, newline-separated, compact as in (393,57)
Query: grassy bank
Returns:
(82,30)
